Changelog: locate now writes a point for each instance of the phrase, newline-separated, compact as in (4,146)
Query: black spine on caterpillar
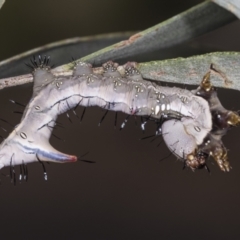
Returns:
(187,115)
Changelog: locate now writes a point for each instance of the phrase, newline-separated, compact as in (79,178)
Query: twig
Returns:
(180,70)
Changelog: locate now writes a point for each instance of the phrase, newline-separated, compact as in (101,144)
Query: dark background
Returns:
(129,193)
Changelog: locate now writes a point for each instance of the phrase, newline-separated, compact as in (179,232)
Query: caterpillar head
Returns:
(194,148)
(182,142)
(196,161)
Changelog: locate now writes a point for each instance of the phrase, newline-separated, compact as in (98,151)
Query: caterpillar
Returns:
(191,123)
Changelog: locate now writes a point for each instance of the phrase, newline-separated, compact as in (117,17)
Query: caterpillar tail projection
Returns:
(192,123)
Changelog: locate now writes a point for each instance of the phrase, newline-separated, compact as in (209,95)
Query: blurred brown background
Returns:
(129,193)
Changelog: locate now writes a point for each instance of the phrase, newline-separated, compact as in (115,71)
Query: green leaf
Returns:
(191,70)
(60,52)
(194,22)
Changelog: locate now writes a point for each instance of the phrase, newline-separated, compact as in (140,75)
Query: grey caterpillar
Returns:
(192,123)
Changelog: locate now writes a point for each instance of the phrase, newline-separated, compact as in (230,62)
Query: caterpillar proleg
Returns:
(192,123)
